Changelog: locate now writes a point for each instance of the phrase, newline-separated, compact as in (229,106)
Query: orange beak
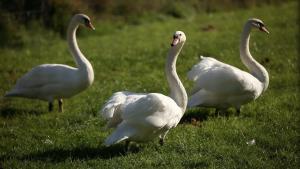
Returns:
(175,41)
(89,25)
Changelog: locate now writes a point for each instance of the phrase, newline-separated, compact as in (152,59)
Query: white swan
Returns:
(56,81)
(140,117)
(221,85)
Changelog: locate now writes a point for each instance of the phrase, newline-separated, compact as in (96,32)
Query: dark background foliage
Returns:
(53,14)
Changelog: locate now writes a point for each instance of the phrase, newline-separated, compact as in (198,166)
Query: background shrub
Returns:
(55,14)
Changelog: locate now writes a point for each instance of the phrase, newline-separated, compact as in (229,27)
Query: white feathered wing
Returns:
(48,82)
(140,117)
(221,85)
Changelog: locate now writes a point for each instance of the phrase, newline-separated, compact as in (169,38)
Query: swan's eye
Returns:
(261,25)
(86,21)
(180,34)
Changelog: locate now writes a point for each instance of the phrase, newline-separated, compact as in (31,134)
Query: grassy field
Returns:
(131,57)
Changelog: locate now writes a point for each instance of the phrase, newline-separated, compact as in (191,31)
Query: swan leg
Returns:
(127,144)
(162,138)
(238,111)
(217,112)
(50,107)
(60,105)
(161,141)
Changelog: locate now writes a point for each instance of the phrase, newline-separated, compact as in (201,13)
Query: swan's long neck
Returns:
(178,93)
(256,69)
(82,63)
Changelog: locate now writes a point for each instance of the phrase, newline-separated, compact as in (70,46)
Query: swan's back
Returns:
(45,74)
(203,66)
(48,82)
(132,106)
(112,111)
(139,116)
(217,82)
(159,110)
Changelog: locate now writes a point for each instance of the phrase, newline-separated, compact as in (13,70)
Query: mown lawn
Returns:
(131,57)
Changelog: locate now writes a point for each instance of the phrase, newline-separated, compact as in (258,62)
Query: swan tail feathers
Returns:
(123,132)
(196,99)
(108,111)
(112,114)
(112,109)
(112,105)
(12,93)
(201,68)
(114,140)
(196,70)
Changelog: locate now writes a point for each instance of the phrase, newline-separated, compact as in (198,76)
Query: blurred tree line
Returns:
(55,14)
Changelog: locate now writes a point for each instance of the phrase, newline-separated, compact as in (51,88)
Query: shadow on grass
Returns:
(1,165)
(82,153)
(8,112)
(200,164)
(195,115)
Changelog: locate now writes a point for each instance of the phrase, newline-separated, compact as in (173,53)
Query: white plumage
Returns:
(48,81)
(140,117)
(56,81)
(220,85)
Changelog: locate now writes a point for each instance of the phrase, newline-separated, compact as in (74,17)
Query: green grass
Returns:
(131,57)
